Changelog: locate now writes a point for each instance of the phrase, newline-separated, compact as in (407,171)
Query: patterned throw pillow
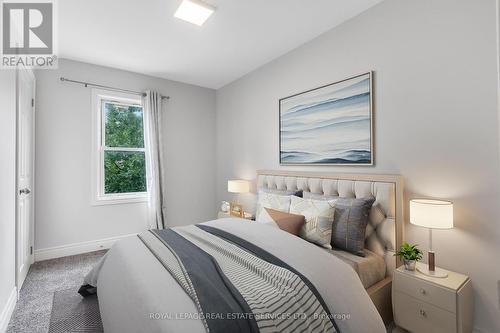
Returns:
(319,219)
(271,200)
(349,225)
(291,223)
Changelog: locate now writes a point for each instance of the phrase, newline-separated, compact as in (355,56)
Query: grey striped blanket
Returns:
(237,286)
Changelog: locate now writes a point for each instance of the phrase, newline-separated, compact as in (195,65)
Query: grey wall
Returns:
(436,120)
(7,187)
(64,214)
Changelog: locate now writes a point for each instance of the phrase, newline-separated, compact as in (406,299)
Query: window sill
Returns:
(119,200)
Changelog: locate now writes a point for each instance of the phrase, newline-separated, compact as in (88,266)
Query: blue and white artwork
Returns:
(328,125)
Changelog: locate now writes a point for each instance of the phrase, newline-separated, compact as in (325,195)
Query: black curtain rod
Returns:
(89,84)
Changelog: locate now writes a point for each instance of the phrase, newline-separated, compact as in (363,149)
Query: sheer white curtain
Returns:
(154,156)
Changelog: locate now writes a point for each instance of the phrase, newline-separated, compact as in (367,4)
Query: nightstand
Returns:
(222,215)
(424,304)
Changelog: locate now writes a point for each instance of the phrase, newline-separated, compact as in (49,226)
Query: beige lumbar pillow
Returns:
(319,219)
(291,223)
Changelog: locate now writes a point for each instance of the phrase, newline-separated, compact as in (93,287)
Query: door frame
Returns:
(21,70)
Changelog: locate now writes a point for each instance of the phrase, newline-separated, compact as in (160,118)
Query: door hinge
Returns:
(31,249)
(32,102)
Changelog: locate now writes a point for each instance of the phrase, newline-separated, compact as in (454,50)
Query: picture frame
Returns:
(329,125)
(236,210)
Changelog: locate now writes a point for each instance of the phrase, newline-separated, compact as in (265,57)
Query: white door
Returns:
(25,174)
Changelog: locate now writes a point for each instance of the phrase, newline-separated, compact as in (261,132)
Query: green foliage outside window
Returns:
(124,171)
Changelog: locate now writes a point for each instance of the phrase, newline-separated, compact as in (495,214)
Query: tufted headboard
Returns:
(384,232)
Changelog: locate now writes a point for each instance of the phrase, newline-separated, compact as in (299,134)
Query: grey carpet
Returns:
(73,313)
(33,310)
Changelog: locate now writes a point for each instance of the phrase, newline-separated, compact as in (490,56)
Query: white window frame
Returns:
(99,197)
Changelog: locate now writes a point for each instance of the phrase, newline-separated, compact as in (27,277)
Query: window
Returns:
(119,154)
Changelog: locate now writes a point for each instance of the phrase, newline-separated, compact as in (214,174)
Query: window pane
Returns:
(124,172)
(123,125)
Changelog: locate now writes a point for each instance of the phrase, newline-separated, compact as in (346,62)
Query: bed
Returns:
(384,232)
(139,292)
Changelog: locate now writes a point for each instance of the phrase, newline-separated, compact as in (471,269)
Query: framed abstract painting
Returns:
(330,125)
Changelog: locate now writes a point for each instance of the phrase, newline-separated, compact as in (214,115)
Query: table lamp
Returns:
(432,214)
(238,186)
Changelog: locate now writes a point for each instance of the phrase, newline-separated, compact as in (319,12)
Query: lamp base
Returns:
(437,273)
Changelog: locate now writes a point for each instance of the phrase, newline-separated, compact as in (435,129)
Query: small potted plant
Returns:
(410,254)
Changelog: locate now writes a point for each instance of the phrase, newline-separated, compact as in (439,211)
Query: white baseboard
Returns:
(7,310)
(76,248)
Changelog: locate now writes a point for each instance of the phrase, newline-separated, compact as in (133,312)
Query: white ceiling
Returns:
(144,37)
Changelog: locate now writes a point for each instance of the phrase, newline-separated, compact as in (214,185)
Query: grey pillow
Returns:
(318,196)
(297,193)
(349,224)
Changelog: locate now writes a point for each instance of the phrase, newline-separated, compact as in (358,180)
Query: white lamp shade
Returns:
(238,186)
(434,214)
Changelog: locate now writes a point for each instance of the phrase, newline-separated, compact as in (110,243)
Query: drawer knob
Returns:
(422,291)
(423,313)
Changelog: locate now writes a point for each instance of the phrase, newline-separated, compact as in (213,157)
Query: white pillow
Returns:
(319,219)
(273,201)
(266,219)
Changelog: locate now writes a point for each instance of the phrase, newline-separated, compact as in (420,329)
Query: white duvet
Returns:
(137,294)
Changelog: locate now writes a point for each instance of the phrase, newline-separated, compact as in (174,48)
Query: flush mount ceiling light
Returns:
(194,11)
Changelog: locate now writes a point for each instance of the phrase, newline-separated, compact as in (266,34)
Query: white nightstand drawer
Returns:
(418,316)
(419,289)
